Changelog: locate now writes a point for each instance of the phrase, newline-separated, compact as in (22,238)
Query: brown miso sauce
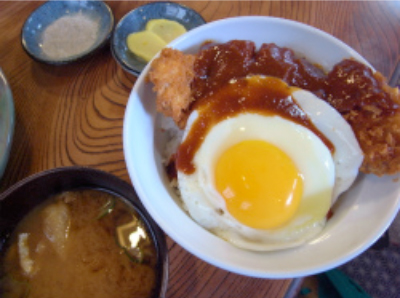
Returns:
(349,86)
(261,95)
(353,86)
(218,64)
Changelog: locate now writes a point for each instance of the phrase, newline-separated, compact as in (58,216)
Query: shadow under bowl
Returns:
(21,198)
(137,19)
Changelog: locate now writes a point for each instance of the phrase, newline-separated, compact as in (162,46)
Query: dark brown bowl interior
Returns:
(19,199)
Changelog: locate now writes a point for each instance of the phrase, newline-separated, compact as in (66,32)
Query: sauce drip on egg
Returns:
(261,95)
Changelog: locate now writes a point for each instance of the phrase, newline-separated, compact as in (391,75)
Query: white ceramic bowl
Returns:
(361,215)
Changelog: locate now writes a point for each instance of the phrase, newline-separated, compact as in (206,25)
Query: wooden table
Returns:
(73,115)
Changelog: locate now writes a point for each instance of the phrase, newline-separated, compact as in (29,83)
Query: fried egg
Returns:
(265,182)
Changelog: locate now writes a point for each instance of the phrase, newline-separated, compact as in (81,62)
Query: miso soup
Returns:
(84,243)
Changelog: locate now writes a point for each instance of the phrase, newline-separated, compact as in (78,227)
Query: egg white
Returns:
(326,175)
(348,155)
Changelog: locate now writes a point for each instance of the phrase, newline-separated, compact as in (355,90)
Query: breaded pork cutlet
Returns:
(376,123)
(372,108)
(171,73)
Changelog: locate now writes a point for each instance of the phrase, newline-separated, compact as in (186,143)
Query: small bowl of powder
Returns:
(60,32)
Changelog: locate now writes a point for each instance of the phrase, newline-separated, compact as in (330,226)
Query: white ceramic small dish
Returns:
(361,215)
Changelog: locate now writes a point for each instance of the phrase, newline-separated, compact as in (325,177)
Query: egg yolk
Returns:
(260,183)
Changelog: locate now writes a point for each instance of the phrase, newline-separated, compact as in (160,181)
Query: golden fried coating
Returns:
(171,73)
(379,135)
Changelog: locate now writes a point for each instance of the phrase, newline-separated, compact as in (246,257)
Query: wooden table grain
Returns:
(73,115)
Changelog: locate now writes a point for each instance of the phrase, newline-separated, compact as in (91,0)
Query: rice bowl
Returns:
(351,231)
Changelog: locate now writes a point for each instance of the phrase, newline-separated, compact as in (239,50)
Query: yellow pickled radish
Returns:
(168,30)
(145,44)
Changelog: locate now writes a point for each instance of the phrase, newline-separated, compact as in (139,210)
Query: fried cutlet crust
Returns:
(378,134)
(172,73)
(372,108)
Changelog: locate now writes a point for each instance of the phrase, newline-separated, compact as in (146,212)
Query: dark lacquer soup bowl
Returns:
(81,232)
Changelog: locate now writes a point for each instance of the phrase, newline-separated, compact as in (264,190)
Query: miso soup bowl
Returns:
(25,195)
(361,215)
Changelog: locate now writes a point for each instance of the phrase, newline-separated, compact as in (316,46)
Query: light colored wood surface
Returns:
(73,115)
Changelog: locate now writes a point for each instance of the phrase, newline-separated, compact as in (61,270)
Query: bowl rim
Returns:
(11,122)
(114,52)
(92,50)
(135,104)
(98,180)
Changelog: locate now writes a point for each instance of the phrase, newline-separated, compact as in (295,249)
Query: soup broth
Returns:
(84,243)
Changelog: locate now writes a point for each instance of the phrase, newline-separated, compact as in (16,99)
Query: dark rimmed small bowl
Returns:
(25,195)
(50,11)
(136,20)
